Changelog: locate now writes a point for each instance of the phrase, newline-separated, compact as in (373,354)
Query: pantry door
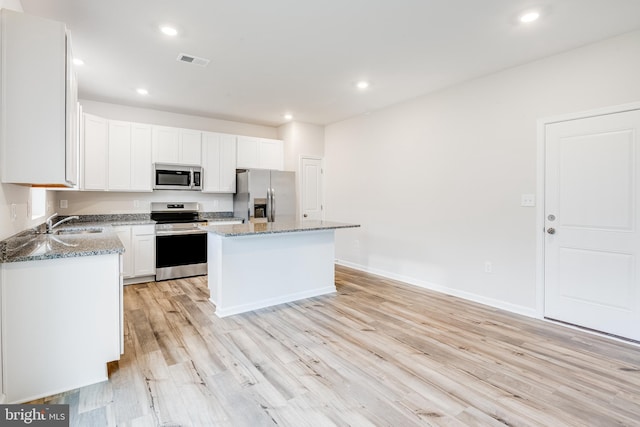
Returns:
(311,199)
(592,241)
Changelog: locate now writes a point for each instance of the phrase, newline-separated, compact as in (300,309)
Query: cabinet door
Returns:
(166,145)
(34,104)
(270,153)
(72,142)
(119,155)
(247,156)
(144,243)
(190,148)
(227,163)
(95,153)
(141,174)
(211,161)
(124,234)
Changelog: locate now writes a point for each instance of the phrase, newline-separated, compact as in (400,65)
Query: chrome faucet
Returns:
(51,226)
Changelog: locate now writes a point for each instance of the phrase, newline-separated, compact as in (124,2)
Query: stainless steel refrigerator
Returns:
(265,195)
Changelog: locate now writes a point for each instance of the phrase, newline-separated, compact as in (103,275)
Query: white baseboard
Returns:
(491,302)
(243,308)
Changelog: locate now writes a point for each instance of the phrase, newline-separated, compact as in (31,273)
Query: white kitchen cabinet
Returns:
(144,249)
(38,141)
(175,145)
(62,326)
(219,162)
(117,155)
(95,153)
(141,175)
(260,153)
(119,159)
(139,259)
(124,234)
(129,161)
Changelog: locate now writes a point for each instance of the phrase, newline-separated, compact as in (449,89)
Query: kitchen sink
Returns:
(67,231)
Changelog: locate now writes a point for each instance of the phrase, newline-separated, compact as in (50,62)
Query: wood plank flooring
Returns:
(378,353)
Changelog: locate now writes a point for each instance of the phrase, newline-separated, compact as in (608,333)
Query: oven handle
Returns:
(180,232)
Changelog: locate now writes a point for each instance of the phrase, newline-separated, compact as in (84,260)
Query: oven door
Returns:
(181,255)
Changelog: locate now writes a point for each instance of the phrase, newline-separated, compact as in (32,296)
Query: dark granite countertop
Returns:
(32,246)
(249,229)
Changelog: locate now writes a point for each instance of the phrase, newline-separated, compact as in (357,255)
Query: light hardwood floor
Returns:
(378,353)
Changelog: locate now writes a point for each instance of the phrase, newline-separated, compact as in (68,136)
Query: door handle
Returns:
(551,230)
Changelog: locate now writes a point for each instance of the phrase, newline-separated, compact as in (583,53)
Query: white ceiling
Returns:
(269,57)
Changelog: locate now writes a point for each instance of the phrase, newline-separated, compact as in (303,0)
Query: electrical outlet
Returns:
(528,200)
(14,213)
(488,268)
(64,204)
(216,204)
(136,203)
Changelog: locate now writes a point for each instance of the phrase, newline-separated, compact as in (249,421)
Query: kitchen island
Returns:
(257,265)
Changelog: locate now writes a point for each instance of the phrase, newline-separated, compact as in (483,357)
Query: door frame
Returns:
(301,182)
(540,186)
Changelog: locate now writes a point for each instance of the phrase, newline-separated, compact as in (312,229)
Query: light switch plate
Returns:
(528,200)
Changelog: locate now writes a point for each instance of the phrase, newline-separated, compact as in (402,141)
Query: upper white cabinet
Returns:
(219,162)
(129,156)
(94,153)
(175,145)
(260,153)
(117,155)
(38,138)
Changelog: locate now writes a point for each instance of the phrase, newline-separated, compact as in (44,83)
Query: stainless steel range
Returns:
(181,247)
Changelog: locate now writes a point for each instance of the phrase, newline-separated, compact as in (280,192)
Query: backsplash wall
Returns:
(106,202)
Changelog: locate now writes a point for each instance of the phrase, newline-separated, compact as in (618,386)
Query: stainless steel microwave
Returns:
(176,177)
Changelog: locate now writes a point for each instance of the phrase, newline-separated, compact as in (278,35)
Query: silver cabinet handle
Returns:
(551,230)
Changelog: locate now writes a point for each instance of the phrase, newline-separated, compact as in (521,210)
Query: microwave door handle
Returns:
(191,179)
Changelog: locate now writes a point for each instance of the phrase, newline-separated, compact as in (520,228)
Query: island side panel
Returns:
(262,270)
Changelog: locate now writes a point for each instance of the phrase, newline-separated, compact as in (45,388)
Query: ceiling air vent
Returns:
(190,59)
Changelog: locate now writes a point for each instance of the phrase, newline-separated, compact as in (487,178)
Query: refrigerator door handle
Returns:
(273,204)
(269,205)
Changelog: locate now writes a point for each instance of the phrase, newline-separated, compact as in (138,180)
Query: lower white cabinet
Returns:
(139,259)
(62,325)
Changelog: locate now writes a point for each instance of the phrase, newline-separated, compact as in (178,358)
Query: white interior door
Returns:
(311,189)
(592,243)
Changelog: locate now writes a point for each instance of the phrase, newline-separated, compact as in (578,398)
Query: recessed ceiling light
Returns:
(530,16)
(170,31)
(362,84)
(78,61)
(142,91)
(288,116)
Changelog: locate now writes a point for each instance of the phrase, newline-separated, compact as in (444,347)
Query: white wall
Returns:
(107,202)
(436,182)
(20,196)
(300,139)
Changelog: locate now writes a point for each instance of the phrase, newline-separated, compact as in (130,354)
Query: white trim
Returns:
(513,308)
(540,183)
(243,308)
